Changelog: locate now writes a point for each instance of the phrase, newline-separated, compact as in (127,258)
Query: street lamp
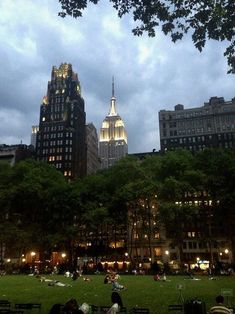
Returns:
(33,254)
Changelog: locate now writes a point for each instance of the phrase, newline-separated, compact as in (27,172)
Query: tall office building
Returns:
(212,126)
(93,161)
(113,137)
(61,139)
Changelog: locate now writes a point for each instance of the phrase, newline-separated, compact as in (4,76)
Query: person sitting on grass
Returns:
(116,286)
(117,303)
(219,308)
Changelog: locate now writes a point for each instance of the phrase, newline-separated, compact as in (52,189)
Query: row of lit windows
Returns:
(52,135)
(196,194)
(202,138)
(56,116)
(58,91)
(53,128)
(52,150)
(68,173)
(57,108)
(137,236)
(59,142)
(198,130)
(57,99)
(202,147)
(57,158)
(195,203)
(53,158)
(191,245)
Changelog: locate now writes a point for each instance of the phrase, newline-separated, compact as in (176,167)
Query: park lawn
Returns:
(141,291)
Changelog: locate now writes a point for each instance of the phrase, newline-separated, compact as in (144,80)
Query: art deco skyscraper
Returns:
(113,137)
(61,139)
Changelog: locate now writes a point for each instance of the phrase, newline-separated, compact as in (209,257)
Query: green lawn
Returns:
(141,290)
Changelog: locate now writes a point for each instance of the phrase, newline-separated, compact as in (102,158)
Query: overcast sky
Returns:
(150,73)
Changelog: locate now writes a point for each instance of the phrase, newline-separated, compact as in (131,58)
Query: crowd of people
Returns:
(72,306)
(112,278)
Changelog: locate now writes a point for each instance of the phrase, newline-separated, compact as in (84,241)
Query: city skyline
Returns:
(150,73)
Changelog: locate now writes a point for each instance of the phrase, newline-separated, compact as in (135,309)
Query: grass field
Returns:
(141,291)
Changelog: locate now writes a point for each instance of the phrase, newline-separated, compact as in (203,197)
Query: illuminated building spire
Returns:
(112,111)
(113,136)
(113,87)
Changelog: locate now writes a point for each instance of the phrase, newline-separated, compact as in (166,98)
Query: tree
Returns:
(218,167)
(204,19)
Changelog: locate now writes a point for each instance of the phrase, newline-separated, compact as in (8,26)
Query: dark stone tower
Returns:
(61,139)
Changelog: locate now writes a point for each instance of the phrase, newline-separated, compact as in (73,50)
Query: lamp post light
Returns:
(166,259)
(33,254)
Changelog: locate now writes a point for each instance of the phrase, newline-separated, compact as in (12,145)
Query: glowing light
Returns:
(63,255)
(32,253)
(8,260)
(126,254)
(226,251)
(198,259)
(167,252)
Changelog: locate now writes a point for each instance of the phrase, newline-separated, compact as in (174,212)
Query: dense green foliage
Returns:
(204,19)
(47,212)
(141,290)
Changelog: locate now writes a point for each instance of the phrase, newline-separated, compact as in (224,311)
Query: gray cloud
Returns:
(150,73)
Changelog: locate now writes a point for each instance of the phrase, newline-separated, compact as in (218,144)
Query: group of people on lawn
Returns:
(72,306)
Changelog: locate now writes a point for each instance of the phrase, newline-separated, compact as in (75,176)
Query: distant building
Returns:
(35,129)
(15,153)
(113,137)
(93,162)
(142,156)
(212,125)
(61,139)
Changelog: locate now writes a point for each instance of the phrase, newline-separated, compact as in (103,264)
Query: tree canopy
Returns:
(47,212)
(204,19)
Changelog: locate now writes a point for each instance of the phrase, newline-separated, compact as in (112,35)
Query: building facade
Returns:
(35,129)
(113,137)
(61,138)
(15,153)
(212,126)
(93,161)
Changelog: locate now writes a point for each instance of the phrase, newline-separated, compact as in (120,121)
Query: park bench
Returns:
(5,304)
(28,306)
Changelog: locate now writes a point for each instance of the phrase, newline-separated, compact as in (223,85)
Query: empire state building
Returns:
(113,137)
